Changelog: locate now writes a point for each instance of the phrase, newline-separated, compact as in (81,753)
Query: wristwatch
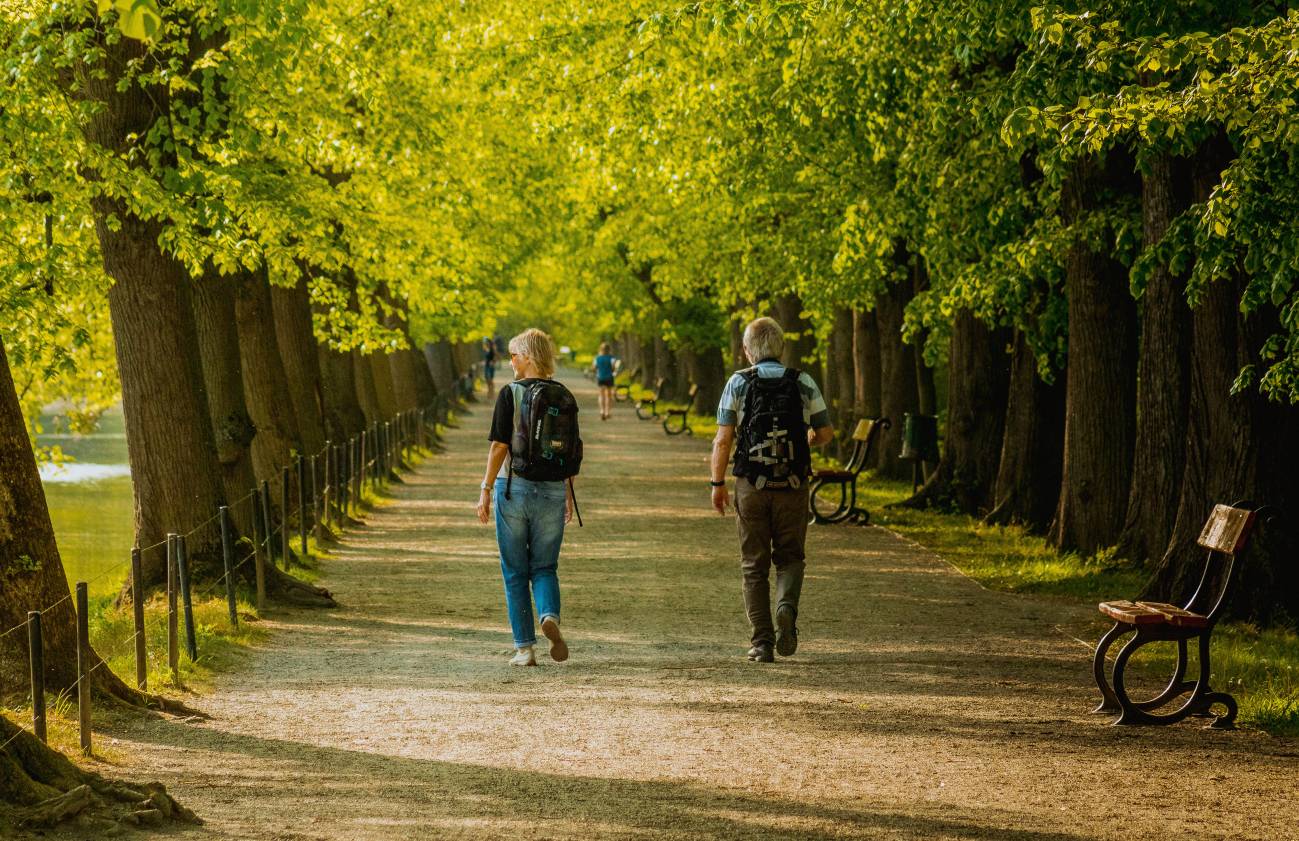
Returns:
(484,487)
(720,484)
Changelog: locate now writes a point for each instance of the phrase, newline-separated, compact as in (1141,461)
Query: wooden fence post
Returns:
(36,656)
(186,601)
(228,559)
(173,612)
(268,531)
(259,563)
(284,516)
(302,504)
(83,666)
(137,612)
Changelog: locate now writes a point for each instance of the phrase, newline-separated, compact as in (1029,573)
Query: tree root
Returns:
(285,588)
(41,788)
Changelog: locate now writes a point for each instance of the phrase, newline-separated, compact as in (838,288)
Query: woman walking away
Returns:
(535,453)
(605,366)
(489,364)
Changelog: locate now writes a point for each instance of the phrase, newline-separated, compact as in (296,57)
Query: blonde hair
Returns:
(764,339)
(538,347)
(604,347)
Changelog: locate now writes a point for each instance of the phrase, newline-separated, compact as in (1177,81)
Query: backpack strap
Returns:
(516,392)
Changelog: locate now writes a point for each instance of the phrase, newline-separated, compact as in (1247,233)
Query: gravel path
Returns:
(919,706)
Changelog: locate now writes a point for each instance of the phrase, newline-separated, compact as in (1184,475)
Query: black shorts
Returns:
(605,383)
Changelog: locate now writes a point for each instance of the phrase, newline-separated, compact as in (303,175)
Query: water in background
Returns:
(90,503)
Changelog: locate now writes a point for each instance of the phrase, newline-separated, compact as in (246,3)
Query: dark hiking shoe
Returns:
(558,648)
(761,653)
(786,633)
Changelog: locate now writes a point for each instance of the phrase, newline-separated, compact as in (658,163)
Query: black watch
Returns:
(720,484)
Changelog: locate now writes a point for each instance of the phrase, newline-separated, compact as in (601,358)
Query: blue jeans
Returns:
(529,531)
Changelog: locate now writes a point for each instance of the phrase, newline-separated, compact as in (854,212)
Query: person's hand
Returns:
(721,498)
(484,506)
(568,506)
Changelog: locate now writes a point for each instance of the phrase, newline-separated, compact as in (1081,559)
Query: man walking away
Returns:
(775,415)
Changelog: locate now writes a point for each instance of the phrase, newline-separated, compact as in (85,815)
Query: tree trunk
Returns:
(1100,400)
(800,338)
(218,342)
(979,377)
(737,359)
(926,389)
(367,394)
(708,372)
(426,391)
(898,394)
(1032,450)
(266,387)
(384,389)
(1162,371)
(1238,446)
(343,415)
(32,576)
(649,372)
(441,365)
(298,352)
(667,365)
(866,364)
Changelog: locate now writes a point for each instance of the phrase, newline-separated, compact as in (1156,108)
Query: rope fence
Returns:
(326,491)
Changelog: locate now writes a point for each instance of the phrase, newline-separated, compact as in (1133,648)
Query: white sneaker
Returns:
(524,657)
(558,648)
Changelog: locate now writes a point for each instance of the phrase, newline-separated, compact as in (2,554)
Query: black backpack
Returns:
(772,449)
(545,446)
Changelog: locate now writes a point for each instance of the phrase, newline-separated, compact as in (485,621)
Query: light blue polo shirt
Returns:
(730,410)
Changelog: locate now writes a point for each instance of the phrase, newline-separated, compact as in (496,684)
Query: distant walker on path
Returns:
(775,415)
(535,453)
(606,367)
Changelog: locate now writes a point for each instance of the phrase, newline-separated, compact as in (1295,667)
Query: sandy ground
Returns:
(919,705)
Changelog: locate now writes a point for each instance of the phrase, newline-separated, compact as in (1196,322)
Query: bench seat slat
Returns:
(1178,616)
(1132,613)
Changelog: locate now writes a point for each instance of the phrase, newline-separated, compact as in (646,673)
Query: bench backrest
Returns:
(1225,535)
(694,391)
(658,386)
(863,438)
(1227,530)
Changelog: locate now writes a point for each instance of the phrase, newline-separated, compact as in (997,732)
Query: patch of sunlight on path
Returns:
(918,707)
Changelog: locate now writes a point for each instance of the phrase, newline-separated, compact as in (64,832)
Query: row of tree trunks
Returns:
(297,344)
(441,365)
(1100,399)
(979,378)
(899,394)
(867,370)
(266,386)
(800,338)
(1032,449)
(367,391)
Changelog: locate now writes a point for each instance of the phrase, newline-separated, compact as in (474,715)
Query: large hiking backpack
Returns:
(772,449)
(545,446)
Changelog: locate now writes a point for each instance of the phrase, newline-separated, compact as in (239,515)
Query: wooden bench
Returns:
(846,509)
(1225,536)
(622,393)
(683,415)
(647,407)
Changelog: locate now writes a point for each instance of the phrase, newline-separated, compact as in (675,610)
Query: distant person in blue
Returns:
(606,366)
(489,364)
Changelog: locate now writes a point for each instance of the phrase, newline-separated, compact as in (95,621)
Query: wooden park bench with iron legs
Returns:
(647,407)
(863,442)
(683,415)
(622,393)
(1225,536)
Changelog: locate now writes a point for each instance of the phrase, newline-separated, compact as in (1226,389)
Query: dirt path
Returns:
(919,706)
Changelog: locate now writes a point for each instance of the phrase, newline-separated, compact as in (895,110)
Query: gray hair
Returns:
(764,338)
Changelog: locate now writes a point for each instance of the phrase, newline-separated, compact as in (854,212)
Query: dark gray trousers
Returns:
(773,530)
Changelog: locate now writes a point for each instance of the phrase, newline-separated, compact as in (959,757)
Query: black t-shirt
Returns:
(502,429)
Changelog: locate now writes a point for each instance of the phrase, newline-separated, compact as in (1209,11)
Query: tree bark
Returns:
(367,394)
(649,372)
(1100,400)
(232,427)
(800,338)
(266,387)
(384,389)
(866,364)
(1238,446)
(441,365)
(708,371)
(1163,368)
(926,389)
(898,395)
(979,377)
(1032,450)
(291,306)
(343,414)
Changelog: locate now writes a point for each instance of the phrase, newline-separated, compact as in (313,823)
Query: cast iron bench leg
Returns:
(1109,701)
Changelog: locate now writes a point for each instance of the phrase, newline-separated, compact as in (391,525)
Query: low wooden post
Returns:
(36,655)
(268,531)
(186,600)
(315,496)
(302,503)
(228,560)
(327,469)
(284,517)
(259,563)
(353,474)
(173,617)
(137,612)
(341,458)
(83,666)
